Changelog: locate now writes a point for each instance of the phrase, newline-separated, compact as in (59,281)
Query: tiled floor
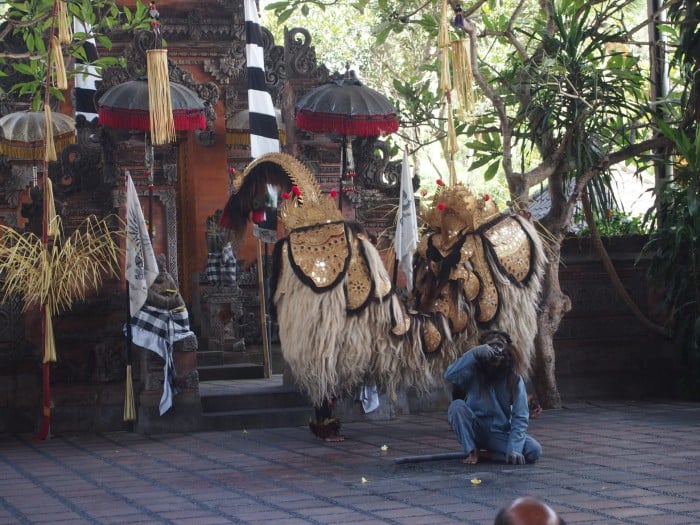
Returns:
(609,462)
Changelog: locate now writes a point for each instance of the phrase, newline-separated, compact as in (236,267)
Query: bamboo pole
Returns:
(263,313)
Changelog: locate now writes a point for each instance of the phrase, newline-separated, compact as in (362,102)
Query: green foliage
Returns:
(612,223)
(30,22)
(675,249)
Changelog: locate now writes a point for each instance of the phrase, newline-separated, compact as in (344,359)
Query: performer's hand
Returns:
(515,458)
(484,353)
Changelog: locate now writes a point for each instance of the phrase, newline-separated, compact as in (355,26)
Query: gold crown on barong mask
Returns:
(455,209)
(305,204)
(301,210)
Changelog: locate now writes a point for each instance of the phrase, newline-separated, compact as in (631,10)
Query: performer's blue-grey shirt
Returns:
(493,406)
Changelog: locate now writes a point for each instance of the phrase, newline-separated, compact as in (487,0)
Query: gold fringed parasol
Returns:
(23,134)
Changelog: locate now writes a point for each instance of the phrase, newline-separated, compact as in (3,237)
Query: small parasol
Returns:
(23,134)
(344,106)
(238,128)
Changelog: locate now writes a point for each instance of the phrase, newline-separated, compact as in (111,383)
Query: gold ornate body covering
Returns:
(479,269)
(340,324)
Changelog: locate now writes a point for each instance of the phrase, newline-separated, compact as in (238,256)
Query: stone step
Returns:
(257,418)
(210,357)
(231,372)
(253,403)
(259,401)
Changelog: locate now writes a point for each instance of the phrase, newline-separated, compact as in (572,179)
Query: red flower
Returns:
(440,182)
(441,206)
(486,196)
(286,196)
(296,191)
(334,193)
(232,170)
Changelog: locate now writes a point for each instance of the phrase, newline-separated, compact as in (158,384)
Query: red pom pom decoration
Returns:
(441,206)
(486,196)
(296,191)
(286,196)
(334,193)
(232,170)
(440,182)
(351,174)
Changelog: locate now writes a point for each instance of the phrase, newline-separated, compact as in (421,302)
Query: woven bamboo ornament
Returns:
(59,67)
(463,78)
(444,47)
(49,146)
(159,100)
(52,226)
(451,146)
(65,34)
(49,340)
(129,404)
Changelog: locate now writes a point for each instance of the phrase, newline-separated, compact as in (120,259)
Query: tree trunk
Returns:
(554,305)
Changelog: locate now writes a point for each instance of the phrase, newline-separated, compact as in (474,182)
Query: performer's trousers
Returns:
(473,433)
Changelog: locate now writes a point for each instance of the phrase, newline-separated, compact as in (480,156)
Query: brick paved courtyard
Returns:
(606,462)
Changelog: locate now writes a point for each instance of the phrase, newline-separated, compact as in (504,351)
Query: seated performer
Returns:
(490,406)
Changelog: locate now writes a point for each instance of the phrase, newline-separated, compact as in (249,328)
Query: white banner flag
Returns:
(406,238)
(141,264)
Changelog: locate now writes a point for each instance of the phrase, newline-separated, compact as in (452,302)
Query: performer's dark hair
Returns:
(510,366)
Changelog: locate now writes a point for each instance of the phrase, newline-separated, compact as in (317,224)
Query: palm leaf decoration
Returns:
(58,273)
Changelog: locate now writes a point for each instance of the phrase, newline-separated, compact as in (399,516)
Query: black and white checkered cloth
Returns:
(158,330)
(221,267)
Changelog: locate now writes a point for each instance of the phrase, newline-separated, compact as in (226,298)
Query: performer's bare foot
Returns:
(472,458)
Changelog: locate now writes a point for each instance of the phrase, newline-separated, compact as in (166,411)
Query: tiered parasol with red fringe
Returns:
(126,106)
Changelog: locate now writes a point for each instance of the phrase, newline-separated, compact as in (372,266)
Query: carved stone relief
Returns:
(300,56)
